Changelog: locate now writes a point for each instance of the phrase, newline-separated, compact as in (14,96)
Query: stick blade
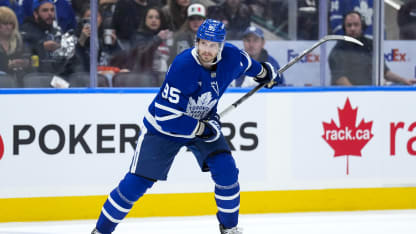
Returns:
(353,40)
(341,38)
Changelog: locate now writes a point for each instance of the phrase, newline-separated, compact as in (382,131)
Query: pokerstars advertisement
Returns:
(355,139)
(82,144)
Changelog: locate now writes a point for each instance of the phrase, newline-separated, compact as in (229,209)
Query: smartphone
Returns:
(86,22)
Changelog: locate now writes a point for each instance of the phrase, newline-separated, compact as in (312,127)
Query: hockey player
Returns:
(184,113)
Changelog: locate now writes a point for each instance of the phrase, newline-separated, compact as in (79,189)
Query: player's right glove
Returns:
(209,130)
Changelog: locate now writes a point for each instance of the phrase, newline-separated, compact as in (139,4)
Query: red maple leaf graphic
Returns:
(1,147)
(347,139)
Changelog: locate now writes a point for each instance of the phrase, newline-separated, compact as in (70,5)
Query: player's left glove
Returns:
(268,75)
(209,130)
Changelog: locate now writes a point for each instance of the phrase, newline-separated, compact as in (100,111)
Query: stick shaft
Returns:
(285,67)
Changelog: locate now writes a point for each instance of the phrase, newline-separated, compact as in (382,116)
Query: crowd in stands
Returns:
(137,36)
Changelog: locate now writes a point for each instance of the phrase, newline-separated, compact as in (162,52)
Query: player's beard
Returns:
(207,57)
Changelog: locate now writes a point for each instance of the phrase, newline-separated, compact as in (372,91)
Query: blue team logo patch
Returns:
(199,109)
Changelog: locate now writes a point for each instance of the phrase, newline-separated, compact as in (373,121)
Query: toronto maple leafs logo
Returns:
(366,12)
(347,139)
(200,108)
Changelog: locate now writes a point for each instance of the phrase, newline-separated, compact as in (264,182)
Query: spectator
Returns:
(175,13)
(253,40)
(339,8)
(16,7)
(261,9)
(234,14)
(107,9)
(81,60)
(151,38)
(78,6)
(65,15)
(12,61)
(406,18)
(185,37)
(128,16)
(351,64)
(308,20)
(150,31)
(42,38)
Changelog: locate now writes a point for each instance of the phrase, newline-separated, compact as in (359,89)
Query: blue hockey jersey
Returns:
(191,92)
(339,8)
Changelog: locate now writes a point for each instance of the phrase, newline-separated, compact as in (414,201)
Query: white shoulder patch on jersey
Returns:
(200,108)
(248,59)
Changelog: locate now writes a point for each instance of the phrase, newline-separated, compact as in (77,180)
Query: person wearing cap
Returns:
(185,37)
(39,35)
(65,15)
(253,40)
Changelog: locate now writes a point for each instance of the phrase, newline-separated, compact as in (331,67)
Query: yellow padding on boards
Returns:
(190,204)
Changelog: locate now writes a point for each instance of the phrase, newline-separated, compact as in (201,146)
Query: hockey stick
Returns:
(285,67)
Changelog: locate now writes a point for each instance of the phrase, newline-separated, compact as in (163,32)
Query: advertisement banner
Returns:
(82,144)
(361,139)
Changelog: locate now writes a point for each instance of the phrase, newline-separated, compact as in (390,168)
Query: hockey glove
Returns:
(215,117)
(267,75)
(209,130)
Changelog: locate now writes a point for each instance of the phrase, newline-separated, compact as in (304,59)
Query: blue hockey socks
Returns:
(120,201)
(227,190)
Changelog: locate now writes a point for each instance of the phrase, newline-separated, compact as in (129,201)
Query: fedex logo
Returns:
(309,58)
(395,56)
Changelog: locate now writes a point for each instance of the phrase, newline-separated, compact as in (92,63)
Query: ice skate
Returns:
(234,230)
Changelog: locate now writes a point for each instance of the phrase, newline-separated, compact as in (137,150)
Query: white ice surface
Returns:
(366,222)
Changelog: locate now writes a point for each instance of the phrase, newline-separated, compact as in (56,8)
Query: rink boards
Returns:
(311,149)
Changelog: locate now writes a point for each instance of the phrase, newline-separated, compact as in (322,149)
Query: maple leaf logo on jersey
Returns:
(365,11)
(347,139)
(199,109)
(1,147)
